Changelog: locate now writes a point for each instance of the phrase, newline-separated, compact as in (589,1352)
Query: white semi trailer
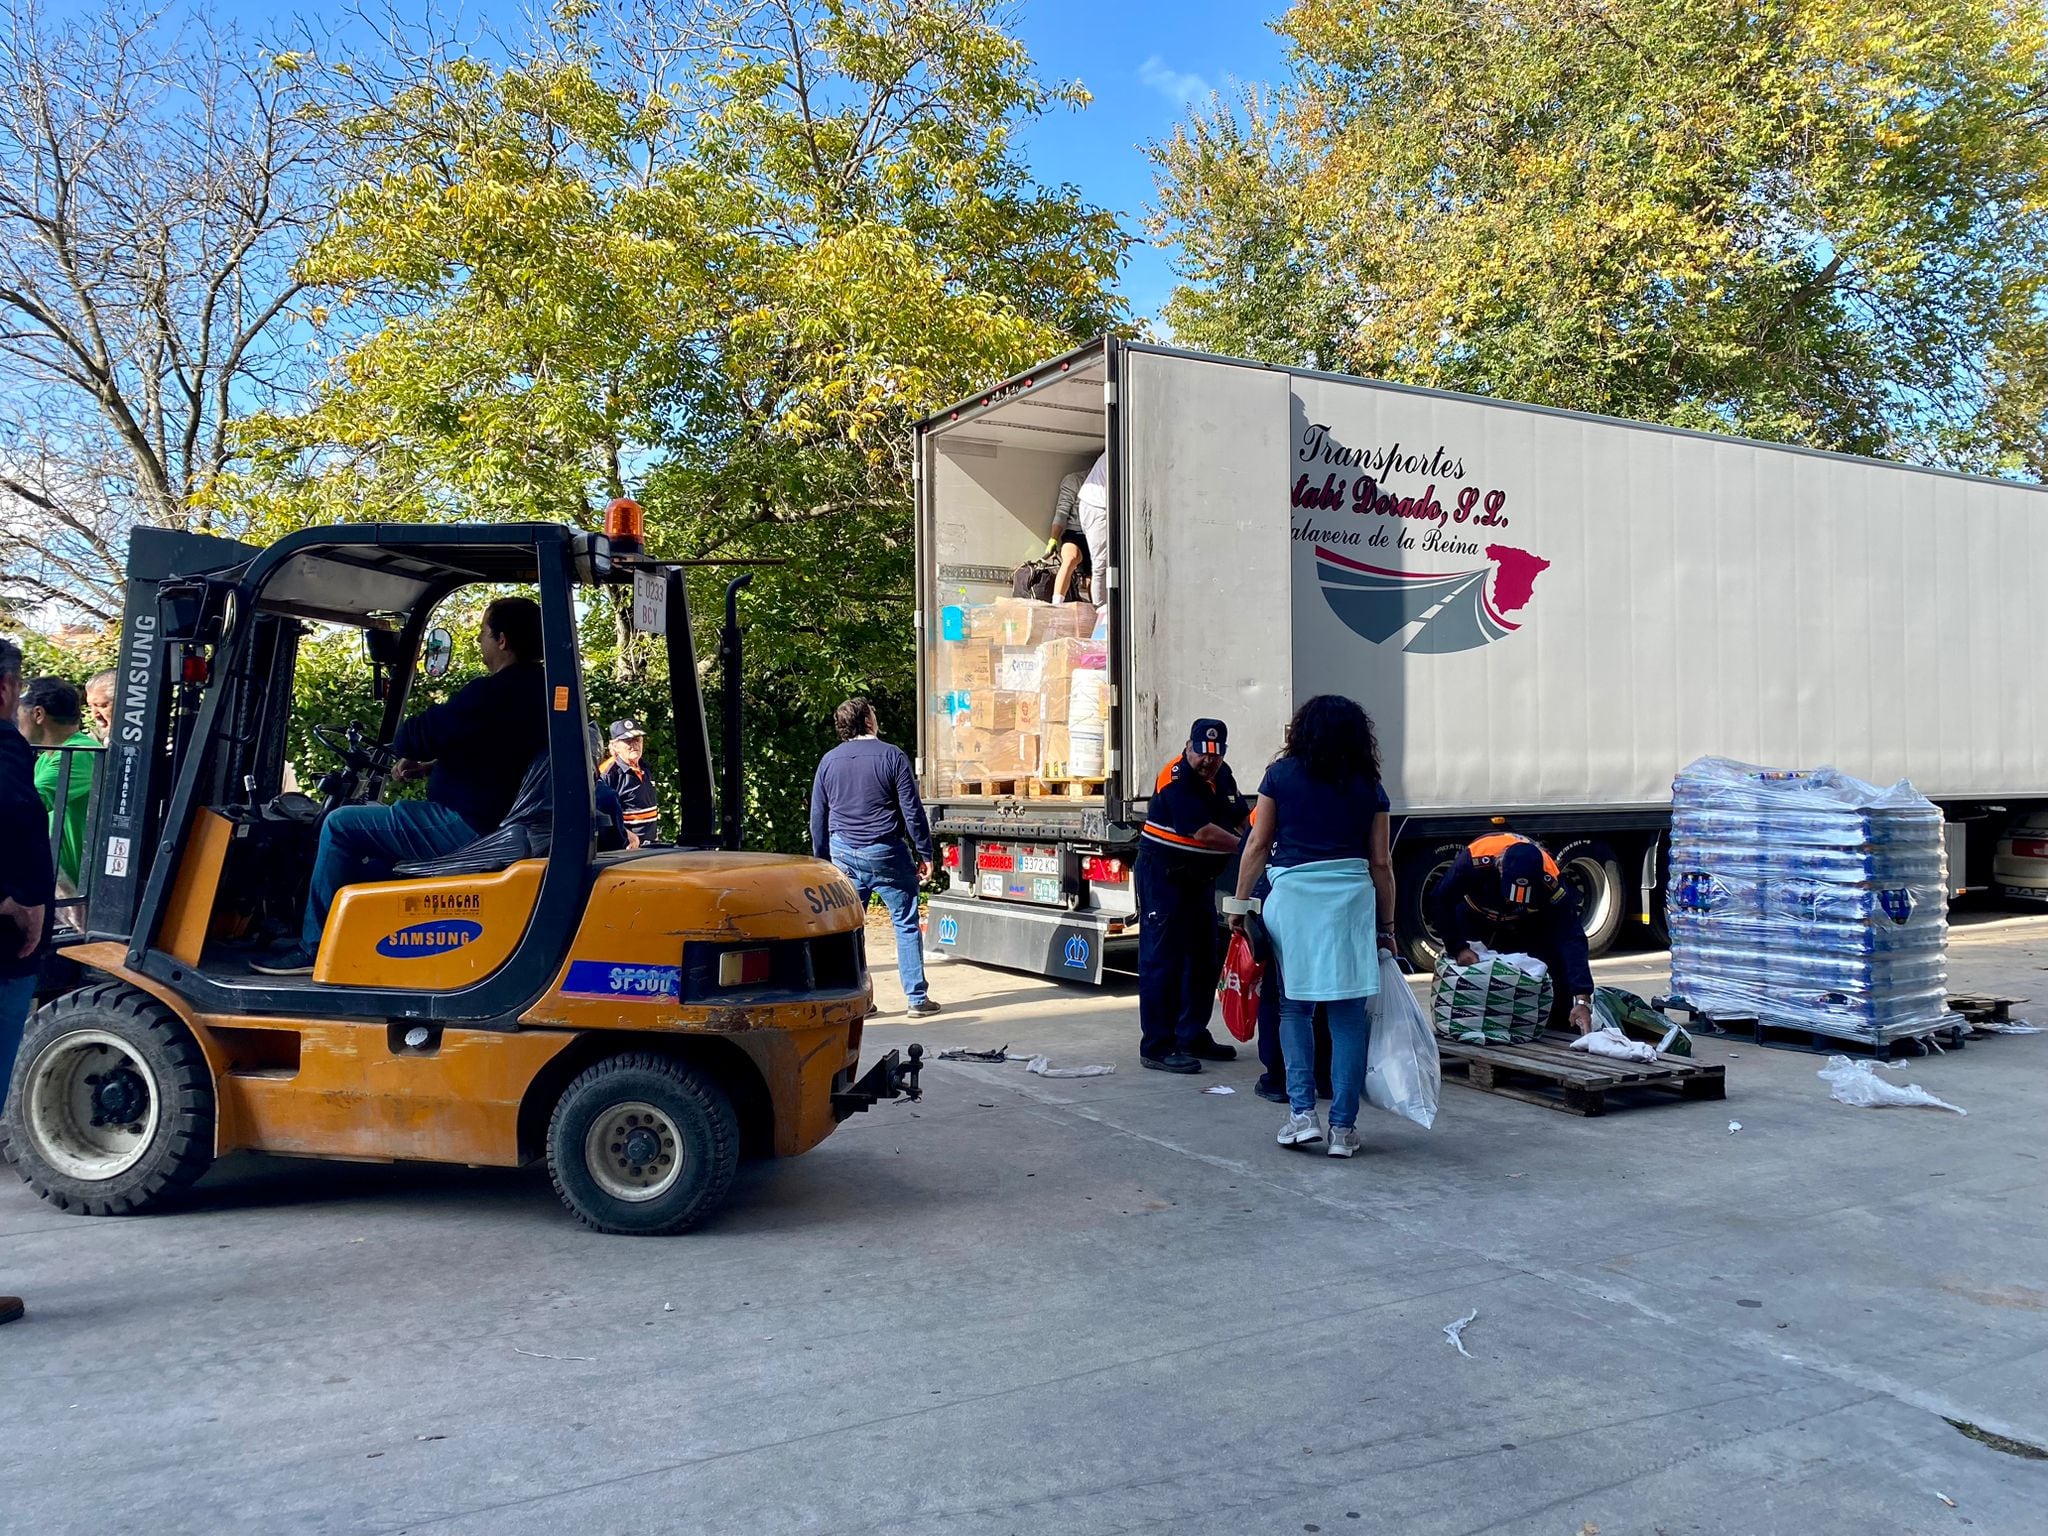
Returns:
(1546,614)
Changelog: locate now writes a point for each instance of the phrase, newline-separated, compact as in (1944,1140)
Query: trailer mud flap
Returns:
(1067,946)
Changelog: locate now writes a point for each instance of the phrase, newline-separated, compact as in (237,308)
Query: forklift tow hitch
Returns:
(891,1077)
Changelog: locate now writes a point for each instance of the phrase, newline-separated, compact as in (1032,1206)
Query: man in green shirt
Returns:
(49,717)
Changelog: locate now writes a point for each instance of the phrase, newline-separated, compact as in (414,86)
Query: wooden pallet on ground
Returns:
(1576,1082)
(1979,1009)
(1775,1036)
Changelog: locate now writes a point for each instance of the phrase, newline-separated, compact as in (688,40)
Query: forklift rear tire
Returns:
(644,1145)
(114,1107)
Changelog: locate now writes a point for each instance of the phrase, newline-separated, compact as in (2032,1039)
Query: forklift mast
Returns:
(142,745)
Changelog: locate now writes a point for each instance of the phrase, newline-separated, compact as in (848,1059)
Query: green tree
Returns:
(1820,221)
(727,274)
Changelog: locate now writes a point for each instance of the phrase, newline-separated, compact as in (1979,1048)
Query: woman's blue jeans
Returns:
(1350,1034)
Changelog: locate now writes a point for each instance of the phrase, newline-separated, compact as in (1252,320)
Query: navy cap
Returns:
(626,730)
(1521,872)
(1209,736)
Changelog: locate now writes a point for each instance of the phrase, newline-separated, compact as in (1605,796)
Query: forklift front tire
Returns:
(643,1145)
(114,1108)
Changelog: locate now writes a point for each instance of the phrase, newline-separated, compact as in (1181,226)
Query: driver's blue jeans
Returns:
(363,842)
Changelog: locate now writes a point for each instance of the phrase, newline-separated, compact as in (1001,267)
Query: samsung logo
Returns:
(428,939)
(139,668)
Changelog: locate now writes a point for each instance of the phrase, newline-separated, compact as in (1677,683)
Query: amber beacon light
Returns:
(625,525)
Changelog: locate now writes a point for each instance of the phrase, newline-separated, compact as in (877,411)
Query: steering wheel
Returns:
(353,747)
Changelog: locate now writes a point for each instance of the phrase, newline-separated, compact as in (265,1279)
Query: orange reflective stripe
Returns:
(1166,835)
(1494,844)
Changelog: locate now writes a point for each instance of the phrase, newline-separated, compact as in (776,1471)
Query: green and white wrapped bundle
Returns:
(1501,1000)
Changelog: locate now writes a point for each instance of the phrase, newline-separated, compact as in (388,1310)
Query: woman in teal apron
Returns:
(1320,833)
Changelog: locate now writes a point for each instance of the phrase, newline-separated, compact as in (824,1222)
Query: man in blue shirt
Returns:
(866,817)
(472,751)
(1193,826)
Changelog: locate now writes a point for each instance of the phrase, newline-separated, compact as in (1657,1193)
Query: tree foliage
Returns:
(1820,221)
(722,259)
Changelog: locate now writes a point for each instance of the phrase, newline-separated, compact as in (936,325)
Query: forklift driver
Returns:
(473,750)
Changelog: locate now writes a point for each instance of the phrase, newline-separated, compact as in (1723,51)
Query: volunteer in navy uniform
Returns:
(1196,819)
(627,776)
(1503,891)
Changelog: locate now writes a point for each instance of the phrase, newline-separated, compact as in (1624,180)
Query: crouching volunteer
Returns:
(1503,891)
(1320,833)
(1191,830)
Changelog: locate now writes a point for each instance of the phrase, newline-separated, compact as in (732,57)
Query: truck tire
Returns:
(113,1103)
(1593,873)
(1415,876)
(643,1144)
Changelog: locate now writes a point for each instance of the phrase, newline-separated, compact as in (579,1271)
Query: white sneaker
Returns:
(1300,1130)
(1344,1141)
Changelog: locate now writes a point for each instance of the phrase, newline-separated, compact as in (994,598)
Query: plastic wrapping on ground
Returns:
(1402,1073)
(1610,1041)
(1499,1000)
(1853,1082)
(1809,899)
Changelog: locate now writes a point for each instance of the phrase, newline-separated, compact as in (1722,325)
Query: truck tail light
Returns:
(743,967)
(1105,871)
(2030,848)
(952,855)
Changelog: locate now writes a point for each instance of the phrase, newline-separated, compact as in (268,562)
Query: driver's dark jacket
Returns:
(480,742)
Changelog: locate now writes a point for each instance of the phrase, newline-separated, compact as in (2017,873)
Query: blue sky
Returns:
(1144,60)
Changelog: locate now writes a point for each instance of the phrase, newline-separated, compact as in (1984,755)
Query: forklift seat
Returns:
(527,832)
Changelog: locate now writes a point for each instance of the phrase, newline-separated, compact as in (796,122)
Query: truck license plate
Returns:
(1020,872)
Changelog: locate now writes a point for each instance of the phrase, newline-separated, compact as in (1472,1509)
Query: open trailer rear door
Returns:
(1203,557)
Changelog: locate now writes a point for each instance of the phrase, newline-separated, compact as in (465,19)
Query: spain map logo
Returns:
(1458,611)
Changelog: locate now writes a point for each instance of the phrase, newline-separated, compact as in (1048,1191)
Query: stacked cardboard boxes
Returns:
(1021,694)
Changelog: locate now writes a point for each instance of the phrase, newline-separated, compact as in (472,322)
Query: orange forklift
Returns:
(639,1019)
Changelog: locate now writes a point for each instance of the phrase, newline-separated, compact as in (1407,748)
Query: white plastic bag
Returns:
(1608,1040)
(1402,1074)
(1852,1082)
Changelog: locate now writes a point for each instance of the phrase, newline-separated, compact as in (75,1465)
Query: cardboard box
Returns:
(1029,712)
(1062,658)
(1023,621)
(1055,749)
(995,710)
(967,666)
(1019,669)
(984,622)
(1009,754)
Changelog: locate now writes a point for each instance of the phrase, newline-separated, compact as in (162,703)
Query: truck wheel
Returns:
(114,1104)
(643,1144)
(1593,873)
(1414,878)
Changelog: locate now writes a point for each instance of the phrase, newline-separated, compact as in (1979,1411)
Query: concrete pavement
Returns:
(1095,1305)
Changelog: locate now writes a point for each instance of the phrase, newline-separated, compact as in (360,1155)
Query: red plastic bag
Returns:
(1241,977)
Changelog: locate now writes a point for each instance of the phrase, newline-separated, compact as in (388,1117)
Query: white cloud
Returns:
(1184,89)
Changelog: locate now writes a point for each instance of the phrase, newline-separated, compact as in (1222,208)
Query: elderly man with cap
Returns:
(1503,891)
(1193,826)
(626,776)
